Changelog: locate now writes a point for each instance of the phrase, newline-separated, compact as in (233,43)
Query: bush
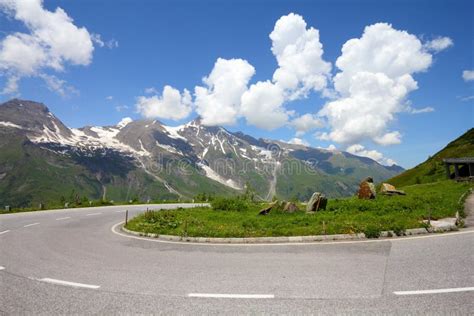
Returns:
(399,230)
(372,231)
(230,204)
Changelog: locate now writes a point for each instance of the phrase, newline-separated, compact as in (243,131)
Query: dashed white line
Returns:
(119,211)
(67,283)
(62,218)
(31,225)
(217,295)
(436,291)
(4,232)
(92,214)
(2,268)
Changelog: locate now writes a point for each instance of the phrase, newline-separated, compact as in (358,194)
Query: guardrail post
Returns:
(126,217)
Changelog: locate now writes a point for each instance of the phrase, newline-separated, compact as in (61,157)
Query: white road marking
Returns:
(309,243)
(31,225)
(2,268)
(4,232)
(92,214)
(119,211)
(62,218)
(437,291)
(67,283)
(216,295)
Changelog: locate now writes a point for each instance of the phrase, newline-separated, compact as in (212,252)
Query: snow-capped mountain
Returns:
(148,159)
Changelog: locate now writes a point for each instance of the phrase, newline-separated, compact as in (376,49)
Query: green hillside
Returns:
(433,168)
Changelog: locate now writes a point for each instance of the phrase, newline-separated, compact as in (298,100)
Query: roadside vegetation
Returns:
(238,217)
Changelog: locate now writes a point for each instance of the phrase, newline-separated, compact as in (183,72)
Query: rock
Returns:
(290,207)
(317,202)
(386,187)
(389,189)
(367,189)
(267,210)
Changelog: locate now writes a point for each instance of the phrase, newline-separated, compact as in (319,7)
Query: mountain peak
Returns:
(25,105)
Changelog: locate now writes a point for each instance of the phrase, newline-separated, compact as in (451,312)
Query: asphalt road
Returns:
(71,262)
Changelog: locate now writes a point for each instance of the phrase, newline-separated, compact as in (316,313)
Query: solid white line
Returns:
(4,232)
(2,268)
(67,283)
(215,295)
(437,291)
(91,214)
(62,218)
(31,225)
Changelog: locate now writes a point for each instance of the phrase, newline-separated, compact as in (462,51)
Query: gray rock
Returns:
(317,202)
(290,207)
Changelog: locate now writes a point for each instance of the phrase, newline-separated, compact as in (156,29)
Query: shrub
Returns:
(399,229)
(230,204)
(372,231)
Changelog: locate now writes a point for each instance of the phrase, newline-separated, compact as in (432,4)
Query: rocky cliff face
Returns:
(163,161)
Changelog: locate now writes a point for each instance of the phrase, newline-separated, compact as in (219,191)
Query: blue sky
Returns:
(177,43)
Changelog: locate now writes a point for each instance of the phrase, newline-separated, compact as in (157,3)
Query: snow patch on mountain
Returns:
(9,124)
(211,174)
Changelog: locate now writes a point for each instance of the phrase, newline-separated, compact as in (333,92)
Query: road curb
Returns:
(289,240)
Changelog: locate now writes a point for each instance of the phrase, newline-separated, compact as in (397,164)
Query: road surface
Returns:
(71,262)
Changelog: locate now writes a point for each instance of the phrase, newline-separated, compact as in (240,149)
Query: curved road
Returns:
(70,262)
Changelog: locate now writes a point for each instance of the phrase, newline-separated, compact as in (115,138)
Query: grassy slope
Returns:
(351,215)
(433,169)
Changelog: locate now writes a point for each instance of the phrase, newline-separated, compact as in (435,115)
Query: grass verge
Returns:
(343,216)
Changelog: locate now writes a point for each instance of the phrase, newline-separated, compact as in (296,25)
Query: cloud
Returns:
(109,98)
(170,105)
(360,150)
(391,138)
(468,75)
(97,38)
(301,69)
(374,81)
(298,141)
(427,109)
(151,90)
(298,51)
(468,98)
(331,147)
(121,108)
(438,44)
(262,106)
(52,41)
(218,103)
(57,85)
(11,86)
(306,123)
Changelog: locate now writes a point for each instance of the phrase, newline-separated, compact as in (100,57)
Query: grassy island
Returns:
(238,217)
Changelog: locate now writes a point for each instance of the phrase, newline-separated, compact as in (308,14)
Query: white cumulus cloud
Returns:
(306,123)
(298,51)
(468,75)
(262,106)
(298,141)
(374,81)
(170,105)
(219,102)
(52,41)
(360,150)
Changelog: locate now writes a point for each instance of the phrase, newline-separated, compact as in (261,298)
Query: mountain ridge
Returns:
(167,162)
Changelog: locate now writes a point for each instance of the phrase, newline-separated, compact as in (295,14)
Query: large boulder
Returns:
(290,207)
(389,189)
(317,202)
(367,189)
